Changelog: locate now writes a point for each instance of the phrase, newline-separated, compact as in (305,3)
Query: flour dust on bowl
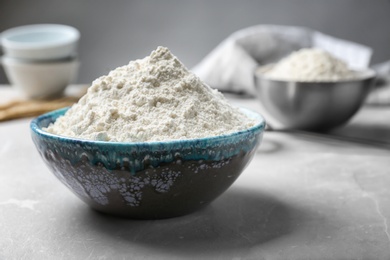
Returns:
(147,180)
(148,141)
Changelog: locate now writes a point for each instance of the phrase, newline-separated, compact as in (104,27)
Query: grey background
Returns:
(114,32)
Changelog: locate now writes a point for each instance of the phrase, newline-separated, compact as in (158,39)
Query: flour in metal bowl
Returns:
(310,65)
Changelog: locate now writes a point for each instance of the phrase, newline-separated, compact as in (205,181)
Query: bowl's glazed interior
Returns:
(147,180)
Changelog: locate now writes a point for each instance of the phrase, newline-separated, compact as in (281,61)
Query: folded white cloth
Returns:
(230,66)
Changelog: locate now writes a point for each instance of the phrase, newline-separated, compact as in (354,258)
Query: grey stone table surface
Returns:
(304,196)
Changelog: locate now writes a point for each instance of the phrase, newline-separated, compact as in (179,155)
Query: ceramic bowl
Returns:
(40,80)
(40,42)
(317,106)
(147,180)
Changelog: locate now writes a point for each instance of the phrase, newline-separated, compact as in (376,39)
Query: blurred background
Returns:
(115,32)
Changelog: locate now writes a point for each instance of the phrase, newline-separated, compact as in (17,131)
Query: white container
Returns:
(40,42)
(40,80)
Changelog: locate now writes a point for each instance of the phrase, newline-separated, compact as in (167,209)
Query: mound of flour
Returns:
(151,99)
(310,64)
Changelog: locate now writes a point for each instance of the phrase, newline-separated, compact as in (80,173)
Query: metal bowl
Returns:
(316,106)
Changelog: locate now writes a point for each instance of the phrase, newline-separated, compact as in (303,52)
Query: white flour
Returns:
(152,99)
(310,65)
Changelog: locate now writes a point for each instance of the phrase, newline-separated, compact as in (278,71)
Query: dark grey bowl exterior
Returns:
(312,105)
(148,180)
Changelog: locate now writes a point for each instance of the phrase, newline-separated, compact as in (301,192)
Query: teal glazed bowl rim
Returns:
(37,124)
